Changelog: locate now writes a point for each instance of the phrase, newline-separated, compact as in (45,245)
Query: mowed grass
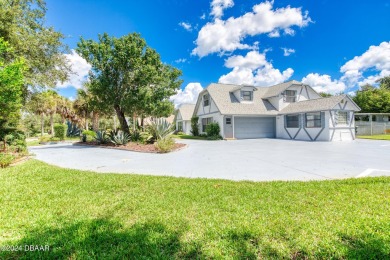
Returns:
(190,137)
(375,137)
(84,215)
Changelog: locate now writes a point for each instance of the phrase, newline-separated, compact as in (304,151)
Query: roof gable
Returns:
(279,88)
(186,111)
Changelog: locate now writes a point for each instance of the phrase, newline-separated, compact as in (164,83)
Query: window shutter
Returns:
(322,119)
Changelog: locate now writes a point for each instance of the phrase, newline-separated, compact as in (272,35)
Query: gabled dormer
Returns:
(281,95)
(244,94)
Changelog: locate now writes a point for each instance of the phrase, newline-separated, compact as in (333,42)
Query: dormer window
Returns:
(247,95)
(206,100)
(290,96)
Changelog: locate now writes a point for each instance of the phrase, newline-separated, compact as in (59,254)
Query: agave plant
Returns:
(161,128)
(119,138)
(102,137)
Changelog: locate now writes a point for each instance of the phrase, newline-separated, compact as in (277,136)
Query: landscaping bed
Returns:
(131,146)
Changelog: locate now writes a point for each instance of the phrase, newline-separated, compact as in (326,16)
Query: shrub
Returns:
(146,138)
(72,130)
(181,133)
(135,136)
(89,134)
(48,138)
(195,126)
(119,138)
(212,129)
(160,128)
(6,159)
(60,131)
(165,145)
(102,137)
(15,140)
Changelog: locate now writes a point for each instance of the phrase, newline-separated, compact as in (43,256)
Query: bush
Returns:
(48,138)
(146,138)
(89,134)
(212,129)
(15,140)
(160,128)
(165,145)
(195,126)
(60,131)
(6,159)
(181,133)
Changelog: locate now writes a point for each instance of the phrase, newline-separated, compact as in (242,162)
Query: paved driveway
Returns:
(257,160)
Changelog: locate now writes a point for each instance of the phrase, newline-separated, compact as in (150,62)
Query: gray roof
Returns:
(319,104)
(229,105)
(186,111)
(279,88)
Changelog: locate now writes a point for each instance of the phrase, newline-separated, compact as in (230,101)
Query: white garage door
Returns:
(254,127)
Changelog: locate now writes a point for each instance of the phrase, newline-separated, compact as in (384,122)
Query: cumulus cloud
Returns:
(80,69)
(220,36)
(186,26)
(253,69)
(287,51)
(218,6)
(376,58)
(324,83)
(188,95)
(203,16)
(181,60)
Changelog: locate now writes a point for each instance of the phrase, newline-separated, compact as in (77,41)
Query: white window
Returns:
(290,96)
(228,120)
(205,122)
(206,100)
(246,95)
(342,118)
(292,121)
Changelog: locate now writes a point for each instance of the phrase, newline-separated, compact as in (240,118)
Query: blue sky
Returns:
(335,46)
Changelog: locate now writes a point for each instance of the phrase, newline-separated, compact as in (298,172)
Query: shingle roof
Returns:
(229,105)
(279,88)
(186,111)
(319,104)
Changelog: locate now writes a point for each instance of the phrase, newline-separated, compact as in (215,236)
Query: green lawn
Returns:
(36,142)
(375,137)
(117,216)
(190,137)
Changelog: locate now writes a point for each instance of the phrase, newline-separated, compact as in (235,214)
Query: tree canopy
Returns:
(372,99)
(11,85)
(22,25)
(129,77)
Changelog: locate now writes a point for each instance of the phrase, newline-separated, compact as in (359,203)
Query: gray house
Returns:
(290,110)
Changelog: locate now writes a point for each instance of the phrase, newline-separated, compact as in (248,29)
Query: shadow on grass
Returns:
(104,239)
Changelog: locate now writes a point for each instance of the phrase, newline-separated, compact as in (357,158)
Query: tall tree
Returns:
(22,24)
(384,83)
(373,100)
(11,85)
(127,75)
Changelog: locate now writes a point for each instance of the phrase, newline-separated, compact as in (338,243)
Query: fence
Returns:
(372,128)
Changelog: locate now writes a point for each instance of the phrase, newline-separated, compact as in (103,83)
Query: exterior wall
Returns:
(209,111)
(302,132)
(330,131)
(338,132)
(187,127)
(217,118)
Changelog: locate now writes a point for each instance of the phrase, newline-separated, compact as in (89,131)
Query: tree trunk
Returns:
(95,121)
(52,123)
(122,119)
(42,124)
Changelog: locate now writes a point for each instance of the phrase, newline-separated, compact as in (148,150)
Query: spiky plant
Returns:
(102,137)
(119,138)
(161,128)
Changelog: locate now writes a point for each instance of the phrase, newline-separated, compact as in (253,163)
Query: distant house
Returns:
(290,110)
(183,118)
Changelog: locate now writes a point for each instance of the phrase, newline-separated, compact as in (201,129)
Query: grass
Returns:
(375,137)
(190,137)
(116,216)
(36,142)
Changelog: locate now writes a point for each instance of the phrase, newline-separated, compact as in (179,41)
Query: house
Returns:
(183,118)
(290,110)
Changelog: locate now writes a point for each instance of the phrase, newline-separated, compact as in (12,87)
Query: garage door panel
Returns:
(254,127)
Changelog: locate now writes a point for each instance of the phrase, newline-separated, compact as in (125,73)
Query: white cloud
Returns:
(181,60)
(324,83)
(80,69)
(203,16)
(376,58)
(218,6)
(227,35)
(287,51)
(186,26)
(253,69)
(188,95)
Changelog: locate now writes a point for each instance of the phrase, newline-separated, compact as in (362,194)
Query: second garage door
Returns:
(254,127)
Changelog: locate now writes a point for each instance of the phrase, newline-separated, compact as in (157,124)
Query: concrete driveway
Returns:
(256,160)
